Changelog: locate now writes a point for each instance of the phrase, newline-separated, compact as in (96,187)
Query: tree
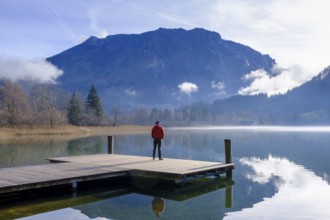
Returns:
(116,112)
(93,103)
(45,101)
(94,111)
(14,104)
(141,116)
(75,110)
(156,114)
(167,116)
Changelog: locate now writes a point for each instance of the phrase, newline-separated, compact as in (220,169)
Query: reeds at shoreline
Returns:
(69,130)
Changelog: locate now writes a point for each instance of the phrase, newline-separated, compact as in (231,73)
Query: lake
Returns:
(280,173)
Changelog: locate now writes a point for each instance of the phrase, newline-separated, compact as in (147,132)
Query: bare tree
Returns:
(44,104)
(116,112)
(14,104)
(141,116)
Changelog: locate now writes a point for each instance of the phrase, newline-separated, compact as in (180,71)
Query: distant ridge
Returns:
(308,104)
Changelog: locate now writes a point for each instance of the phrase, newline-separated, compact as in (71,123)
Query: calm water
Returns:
(280,173)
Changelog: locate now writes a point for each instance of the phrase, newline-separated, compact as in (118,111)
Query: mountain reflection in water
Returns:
(299,191)
(280,173)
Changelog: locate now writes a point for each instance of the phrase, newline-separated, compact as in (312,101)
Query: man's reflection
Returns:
(158,206)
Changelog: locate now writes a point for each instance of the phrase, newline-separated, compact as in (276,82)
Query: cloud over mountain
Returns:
(38,70)
(279,81)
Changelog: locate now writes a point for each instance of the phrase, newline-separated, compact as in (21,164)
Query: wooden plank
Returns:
(172,166)
(21,178)
(23,181)
(90,167)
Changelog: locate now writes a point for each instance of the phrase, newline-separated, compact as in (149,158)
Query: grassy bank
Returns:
(68,130)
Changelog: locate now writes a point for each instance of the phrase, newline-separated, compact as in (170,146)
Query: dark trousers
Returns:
(157,143)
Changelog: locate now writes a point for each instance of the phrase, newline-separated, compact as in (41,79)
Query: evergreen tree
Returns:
(75,110)
(93,103)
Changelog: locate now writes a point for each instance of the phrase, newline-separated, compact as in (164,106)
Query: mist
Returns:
(37,70)
(262,82)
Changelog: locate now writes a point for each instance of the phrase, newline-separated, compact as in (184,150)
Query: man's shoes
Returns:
(153,158)
(160,158)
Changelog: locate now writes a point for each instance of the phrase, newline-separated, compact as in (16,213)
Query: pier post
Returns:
(228,151)
(228,157)
(229,197)
(74,186)
(110,145)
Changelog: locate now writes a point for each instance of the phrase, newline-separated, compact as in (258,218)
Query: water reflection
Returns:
(67,213)
(158,206)
(30,151)
(279,174)
(299,192)
(133,202)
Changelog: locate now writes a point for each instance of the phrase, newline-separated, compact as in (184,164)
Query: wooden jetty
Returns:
(171,169)
(75,169)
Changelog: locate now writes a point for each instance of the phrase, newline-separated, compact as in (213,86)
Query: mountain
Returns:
(147,69)
(312,99)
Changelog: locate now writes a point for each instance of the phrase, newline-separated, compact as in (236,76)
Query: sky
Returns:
(293,32)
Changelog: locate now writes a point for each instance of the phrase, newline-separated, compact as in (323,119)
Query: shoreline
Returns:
(69,130)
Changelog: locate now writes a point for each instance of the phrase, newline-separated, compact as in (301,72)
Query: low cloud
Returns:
(38,70)
(188,88)
(130,92)
(281,82)
(219,88)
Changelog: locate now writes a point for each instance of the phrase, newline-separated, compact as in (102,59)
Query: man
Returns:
(157,133)
(158,206)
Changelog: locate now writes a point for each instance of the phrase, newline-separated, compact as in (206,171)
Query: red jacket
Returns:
(157,132)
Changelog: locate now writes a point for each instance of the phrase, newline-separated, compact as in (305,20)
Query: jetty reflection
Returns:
(41,207)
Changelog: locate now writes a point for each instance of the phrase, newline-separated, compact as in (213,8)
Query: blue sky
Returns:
(294,32)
